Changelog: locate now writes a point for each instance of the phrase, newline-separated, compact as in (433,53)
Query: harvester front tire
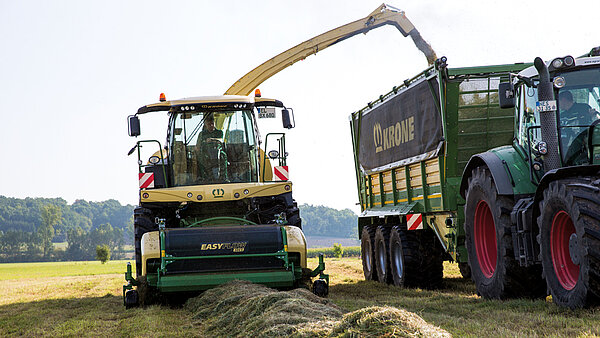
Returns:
(382,261)
(142,223)
(367,252)
(496,273)
(570,241)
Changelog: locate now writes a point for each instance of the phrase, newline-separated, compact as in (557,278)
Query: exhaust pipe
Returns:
(547,108)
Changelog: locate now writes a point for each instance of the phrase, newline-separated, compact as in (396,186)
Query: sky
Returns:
(72,71)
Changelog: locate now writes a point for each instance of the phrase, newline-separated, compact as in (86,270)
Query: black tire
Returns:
(496,273)
(367,252)
(142,222)
(465,270)
(293,216)
(405,260)
(433,260)
(382,261)
(320,288)
(131,299)
(570,241)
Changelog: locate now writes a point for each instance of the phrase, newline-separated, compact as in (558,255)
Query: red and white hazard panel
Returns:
(281,173)
(146,180)
(414,221)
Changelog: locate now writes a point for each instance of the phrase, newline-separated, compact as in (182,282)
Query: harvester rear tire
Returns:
(367,252)
(293,216)
(382,260)
(570,241)
(142,222)
(405,260)
(496,273)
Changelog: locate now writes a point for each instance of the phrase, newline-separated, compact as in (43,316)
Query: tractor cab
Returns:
(213,140)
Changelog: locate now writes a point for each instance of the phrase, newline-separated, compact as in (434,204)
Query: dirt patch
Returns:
(245,309)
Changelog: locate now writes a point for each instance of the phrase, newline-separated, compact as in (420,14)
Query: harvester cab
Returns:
(214,205)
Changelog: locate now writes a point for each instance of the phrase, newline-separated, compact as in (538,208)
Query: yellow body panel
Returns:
(150,248)
(296,243)
(214,192)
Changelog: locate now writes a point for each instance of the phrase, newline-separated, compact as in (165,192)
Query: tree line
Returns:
(30,227)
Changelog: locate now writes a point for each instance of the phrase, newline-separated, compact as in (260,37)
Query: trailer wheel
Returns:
(570,241)
(433,260)
(367,251)
(488,239)
(404,258)
(382,262)
(142,223)
(465,270)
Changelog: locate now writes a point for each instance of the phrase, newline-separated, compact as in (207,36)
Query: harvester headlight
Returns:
(569,61)
(273,154)
(559,82)
(236,195)
(246,192)
(287,187)
(145,195)
(557,63)
(189,195)
(199,197)
(154,159)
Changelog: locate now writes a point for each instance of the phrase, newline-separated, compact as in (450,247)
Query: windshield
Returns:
(213,147)
(578,103)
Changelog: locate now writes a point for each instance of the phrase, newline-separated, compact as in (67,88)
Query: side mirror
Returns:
(287,119)
(134,125)
(506,95)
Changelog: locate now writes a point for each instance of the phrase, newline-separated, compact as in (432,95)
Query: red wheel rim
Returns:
(485,239)
(566,271)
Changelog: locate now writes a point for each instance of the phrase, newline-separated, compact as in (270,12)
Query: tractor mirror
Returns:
(288,118)
(506,95)
(134,125)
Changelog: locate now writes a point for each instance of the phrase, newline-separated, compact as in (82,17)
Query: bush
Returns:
(102,253)
(349,251)
(338,250)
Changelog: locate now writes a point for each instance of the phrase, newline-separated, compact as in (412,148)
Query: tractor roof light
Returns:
(557,63)
(162,97)
(569,61)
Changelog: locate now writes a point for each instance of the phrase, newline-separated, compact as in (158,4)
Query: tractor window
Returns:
(529,119)
(579,104)
(212,147)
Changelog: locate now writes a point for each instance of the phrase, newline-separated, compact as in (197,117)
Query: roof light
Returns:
(162,97)
(569,61)
(257,92)
(557,63)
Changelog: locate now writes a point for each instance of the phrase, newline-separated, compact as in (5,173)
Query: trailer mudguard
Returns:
(509,171)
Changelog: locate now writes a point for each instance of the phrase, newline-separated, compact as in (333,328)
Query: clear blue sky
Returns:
(71,71)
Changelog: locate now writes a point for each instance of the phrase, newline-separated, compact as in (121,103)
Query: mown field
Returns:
(84,299)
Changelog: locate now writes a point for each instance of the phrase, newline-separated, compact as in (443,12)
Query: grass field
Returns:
(84,299)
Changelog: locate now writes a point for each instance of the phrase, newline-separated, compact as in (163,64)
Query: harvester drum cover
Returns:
(228,240)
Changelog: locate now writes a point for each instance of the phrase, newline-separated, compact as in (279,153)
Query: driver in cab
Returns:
(575,118)
(573,113)
(211,155)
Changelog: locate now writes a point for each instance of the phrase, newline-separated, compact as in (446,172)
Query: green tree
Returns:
(338,250)
(51,216)
(102,253)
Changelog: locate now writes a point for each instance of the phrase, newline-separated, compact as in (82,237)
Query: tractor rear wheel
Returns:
(570,241)
(367,252)
(382,261)
(496,273)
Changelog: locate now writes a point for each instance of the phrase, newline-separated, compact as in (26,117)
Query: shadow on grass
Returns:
(457,308)
(92,316)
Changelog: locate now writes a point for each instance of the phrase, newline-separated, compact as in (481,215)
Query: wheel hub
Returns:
(485,239)
(564,250)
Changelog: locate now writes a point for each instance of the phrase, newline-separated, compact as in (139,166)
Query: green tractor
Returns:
(533,209)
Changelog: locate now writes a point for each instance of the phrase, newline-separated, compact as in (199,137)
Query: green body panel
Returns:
(519,170)
(200,282)
(472,123)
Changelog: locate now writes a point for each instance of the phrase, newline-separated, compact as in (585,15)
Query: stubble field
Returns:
(84,299)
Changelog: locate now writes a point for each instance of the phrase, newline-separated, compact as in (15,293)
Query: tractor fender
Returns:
(556,174)
(503,179)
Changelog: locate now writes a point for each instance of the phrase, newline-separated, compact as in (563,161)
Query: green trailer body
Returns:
(471,122)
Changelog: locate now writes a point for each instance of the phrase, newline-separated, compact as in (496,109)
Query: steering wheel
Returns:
(578,150)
